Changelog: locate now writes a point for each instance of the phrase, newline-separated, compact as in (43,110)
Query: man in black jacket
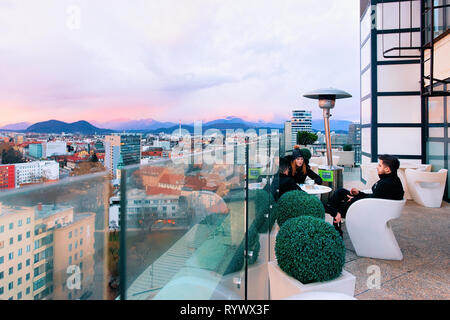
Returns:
(283,182)
(388,187)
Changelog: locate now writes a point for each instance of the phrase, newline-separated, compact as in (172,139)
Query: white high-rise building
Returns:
(55,148)
(32,172)
(301,121)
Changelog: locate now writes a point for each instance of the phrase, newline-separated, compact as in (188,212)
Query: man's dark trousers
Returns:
(338,202)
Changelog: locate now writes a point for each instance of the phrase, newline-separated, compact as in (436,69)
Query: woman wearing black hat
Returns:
(300,169)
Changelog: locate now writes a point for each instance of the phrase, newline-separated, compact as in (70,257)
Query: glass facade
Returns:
(130,148)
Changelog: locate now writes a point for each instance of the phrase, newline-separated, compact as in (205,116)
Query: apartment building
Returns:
(41,249)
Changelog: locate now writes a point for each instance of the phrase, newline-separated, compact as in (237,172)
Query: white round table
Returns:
(315,189)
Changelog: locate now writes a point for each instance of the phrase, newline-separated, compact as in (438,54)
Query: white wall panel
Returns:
(366,25)
(365,55)
(391,40)
(401,141)
(399,77)
(366,140)
(391,20)
(366,112)
(366,82)
(399,109)
(436,132)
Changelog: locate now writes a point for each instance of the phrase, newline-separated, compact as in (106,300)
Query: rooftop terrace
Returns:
(424,238)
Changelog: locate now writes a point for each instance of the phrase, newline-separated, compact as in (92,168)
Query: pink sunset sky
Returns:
(175,60)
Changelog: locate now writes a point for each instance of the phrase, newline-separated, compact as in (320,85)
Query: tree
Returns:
(306,138)
(11,156)
(94,158)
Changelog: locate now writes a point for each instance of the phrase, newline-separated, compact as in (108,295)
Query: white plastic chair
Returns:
(323,160)
(367,223)
(370,174)
(427,188)
(425,167)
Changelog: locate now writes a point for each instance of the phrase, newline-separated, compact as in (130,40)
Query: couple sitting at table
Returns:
(293,171)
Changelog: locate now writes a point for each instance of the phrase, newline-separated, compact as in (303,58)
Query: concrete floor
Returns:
(423,235)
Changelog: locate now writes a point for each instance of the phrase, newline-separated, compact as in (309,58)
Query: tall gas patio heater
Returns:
(331,174)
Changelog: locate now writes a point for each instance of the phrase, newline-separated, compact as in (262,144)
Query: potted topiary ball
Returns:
(310,257)
(259,203)
(298,203)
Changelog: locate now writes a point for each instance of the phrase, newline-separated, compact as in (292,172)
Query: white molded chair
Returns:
(426,188)
(425,168)
(323,160)
(367,223)
(370,174)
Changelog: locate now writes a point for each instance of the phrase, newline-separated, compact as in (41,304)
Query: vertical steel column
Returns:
(123,235)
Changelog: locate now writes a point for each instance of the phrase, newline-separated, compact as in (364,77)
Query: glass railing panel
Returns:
(185,228)
(53,239)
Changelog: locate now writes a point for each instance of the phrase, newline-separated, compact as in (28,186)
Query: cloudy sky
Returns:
(100,60)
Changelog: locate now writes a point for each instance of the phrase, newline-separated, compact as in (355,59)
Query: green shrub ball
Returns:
(310,250)
(297,203)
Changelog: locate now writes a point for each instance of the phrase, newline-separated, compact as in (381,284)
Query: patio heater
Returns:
(331,174)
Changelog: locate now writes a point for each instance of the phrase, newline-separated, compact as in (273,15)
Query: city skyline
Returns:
(101,62)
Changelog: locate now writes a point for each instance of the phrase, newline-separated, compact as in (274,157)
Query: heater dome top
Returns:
(329,92)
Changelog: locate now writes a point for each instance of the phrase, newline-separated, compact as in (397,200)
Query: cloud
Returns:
(176,60)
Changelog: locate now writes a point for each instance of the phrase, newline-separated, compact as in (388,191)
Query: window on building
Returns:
(28,220)
(11,256)
(11,226)
(2,259)
(27,263)
(19,266)
(19,223)
(27,276)
(70,247)
(70,235)
(70,260)
(28,290)
(81,253)
(11,240)
(81,241)
(2,290)
(2,275)
(10,270)
(10,286)
(19,252)
(19,295)
(28,248)
(2,229)
(19,281)
(28,234)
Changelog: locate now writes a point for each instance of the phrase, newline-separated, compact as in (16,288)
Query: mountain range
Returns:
(55,126)
(153,126)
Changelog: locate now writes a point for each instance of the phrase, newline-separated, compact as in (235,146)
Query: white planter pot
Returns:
(267,251)
(283,286)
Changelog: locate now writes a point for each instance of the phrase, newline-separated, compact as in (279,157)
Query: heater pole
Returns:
(326,119)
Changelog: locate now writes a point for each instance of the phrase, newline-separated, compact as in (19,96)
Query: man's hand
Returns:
(354,192)
(349,198)
(338,218)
